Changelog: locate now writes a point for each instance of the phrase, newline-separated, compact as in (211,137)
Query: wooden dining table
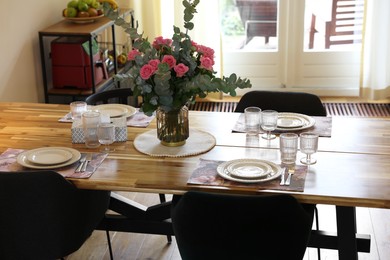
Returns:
(352,168)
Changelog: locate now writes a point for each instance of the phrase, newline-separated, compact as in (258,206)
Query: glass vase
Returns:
(172,126)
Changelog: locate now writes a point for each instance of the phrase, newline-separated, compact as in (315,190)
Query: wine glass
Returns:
(269,120)
(106,135)
(308,145)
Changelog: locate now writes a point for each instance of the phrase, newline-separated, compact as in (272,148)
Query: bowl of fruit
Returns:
(85,11)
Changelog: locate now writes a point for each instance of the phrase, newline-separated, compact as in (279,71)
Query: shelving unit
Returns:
(88,31)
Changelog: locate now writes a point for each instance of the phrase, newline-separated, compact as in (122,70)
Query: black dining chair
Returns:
(220,226)
(295,102)
(120,96)
(44,216)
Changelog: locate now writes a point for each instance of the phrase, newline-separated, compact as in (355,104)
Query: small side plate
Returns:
(49,156)
(290,121)
(275,173)
(249,169)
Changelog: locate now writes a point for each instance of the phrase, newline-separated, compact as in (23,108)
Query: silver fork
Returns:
(88,158)
(81,162)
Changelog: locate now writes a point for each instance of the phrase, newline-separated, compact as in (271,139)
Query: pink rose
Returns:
(206,63)
(206,51)
(180,70)
(194,44)
(154,63)
(158,41)
(132,54)
(147,71)
(170,60)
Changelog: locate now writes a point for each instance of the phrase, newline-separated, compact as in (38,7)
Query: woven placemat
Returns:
(197,143)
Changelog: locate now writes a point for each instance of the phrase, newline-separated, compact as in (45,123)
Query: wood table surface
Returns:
(352,169)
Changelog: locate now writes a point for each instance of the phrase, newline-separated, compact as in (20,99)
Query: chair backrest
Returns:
(119,96)
(44,216)
(220,226)
(295,102)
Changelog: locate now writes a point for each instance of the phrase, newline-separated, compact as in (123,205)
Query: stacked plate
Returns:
(115,110)
(294,121)
(249,170)
(48,157)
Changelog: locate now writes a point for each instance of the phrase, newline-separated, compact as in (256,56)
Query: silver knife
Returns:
(282,178)
(81,162)
(88,158)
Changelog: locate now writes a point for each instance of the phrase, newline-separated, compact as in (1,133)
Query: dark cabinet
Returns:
(69,70)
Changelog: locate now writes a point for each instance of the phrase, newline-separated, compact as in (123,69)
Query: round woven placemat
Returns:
(197,143)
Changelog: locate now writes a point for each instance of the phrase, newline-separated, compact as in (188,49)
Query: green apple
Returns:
(73,3)
(71,12)
(88,2)
(96,5)
(82,6)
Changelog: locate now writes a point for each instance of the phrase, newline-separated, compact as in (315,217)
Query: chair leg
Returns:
(318,228)
(109,244)
(162,200)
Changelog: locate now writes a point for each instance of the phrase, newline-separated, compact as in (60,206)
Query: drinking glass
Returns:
(308,146)
(288,148)
(106,135)
(77,108)
(269,120)
(91,121)
(252,120)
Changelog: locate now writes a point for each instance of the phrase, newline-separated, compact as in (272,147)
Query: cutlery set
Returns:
(286,182)
(83,163)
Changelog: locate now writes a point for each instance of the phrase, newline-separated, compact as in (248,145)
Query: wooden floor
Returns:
(131,246)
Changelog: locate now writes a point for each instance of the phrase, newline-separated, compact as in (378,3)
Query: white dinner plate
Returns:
(23,160)
(116,110)
(248,169)
(301,121)
(49,156)
(275,173)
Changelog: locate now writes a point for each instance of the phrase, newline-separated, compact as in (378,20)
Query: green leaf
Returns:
(189,26)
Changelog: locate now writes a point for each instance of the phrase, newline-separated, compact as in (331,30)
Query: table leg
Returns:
(346,230)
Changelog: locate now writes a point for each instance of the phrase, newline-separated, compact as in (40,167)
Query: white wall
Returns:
(20,67)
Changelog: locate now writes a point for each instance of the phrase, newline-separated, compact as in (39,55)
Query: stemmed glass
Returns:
(106,135)
(308,146)
(269,120)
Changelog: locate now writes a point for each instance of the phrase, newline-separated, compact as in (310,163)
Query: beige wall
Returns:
(20,67)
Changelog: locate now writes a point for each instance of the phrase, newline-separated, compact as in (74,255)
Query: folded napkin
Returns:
(206,174)
(8,163)
(139,119)
(322,126)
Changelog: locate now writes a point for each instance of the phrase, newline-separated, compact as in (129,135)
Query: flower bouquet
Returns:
(170,73)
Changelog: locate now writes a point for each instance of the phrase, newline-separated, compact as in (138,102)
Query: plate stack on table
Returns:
(115,110)
(48,157)
(294,122)
(249,170)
